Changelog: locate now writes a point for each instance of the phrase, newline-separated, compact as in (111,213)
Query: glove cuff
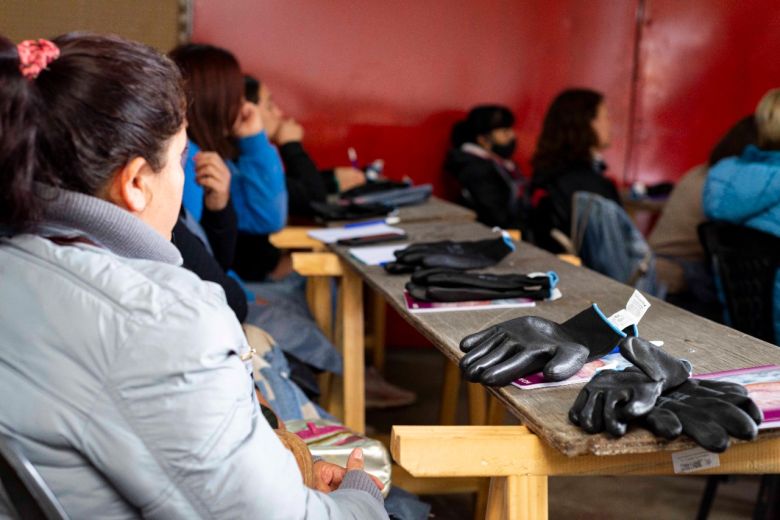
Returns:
(592,329)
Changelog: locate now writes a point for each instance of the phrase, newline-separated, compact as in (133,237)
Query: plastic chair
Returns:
(29,496)
(745,262)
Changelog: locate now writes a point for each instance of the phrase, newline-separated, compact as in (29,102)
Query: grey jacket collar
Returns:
(107,225)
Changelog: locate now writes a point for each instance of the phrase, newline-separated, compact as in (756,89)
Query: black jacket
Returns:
(553,192)
(487,188)
(305,183)
(256,256)
(221,231)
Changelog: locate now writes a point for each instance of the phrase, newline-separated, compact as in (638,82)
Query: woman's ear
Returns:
(128,188)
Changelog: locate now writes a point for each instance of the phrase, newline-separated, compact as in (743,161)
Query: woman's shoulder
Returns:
(459,162)
(739,168)
(144,288)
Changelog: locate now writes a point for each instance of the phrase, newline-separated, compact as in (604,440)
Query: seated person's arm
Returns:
(219,217)
(304,182)
(257,185)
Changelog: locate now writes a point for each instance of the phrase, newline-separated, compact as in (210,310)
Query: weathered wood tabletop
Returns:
(708,345)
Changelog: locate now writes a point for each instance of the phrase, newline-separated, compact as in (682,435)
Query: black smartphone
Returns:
(371,239)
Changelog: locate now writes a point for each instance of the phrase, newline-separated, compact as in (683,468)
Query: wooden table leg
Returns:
(517,497)
(378,328)
(353,344)
(477,404)
(526,497)
(319,294)
(496,411)
(450,390)
(496,501)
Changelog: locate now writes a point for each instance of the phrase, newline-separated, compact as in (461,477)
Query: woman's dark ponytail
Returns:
(19,109)
(461,133)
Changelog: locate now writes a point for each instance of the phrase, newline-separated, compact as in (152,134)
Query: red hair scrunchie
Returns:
(35,56)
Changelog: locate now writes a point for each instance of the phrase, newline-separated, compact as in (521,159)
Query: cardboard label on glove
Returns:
(696,459)
(636,307)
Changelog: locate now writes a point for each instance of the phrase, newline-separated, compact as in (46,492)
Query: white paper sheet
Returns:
(331,235)
(376,255)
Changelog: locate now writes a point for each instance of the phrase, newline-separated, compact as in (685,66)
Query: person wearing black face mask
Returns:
(480,160)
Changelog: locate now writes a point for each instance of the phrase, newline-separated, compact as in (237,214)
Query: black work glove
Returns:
(454,255)
(707,411)
(505,352)
(372,187)
(449,285)
(613,398)
(350,211)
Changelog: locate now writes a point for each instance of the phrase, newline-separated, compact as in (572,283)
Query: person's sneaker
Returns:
(381,394)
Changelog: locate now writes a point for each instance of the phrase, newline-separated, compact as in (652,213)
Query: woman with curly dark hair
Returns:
(568,159)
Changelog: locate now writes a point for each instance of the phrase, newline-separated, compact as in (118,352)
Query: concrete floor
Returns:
(603,498)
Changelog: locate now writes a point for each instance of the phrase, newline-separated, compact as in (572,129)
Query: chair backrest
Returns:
(607,241)
(744,261)
(29,495)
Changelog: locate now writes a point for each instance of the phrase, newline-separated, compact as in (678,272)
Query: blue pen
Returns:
(363,224)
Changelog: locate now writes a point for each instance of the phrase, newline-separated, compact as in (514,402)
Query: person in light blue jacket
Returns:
(745,190)
(126,379)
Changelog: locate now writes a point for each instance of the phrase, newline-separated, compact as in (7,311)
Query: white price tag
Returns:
(637,305)
(635,309)
(695,459)
(622,319)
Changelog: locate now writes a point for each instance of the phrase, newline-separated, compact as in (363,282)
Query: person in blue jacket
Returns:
(745,190)
(226,132)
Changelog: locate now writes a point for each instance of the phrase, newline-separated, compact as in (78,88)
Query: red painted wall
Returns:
(390,78)
(704,65)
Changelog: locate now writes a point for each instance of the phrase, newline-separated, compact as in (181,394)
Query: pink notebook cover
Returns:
(415,305)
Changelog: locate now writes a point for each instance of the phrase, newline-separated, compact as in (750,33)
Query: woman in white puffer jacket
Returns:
(123,376)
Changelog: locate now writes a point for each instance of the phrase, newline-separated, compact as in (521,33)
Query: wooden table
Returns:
(635,205)
(295,237)
(520,459)
(348,400)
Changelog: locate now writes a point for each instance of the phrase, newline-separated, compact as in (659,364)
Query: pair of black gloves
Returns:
(656,393)
(449,254)
(438,272)
(451,285)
